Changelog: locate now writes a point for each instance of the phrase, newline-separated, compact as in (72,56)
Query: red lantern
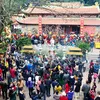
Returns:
(37,35)
(81,36)
(91,35)
(62,36)
(22,35)
(54,36)
(45,36)
(15,36)
(29,35)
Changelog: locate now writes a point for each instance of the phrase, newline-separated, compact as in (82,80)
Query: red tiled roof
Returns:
(13,18)
(59,21)
(61,10)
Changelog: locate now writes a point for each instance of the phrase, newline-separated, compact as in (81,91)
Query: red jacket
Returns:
(12,73)
(63,98)
(67,88)
(0,72)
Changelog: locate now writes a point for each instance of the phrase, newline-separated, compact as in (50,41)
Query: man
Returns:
(48,86)
(4,87)
(86,89)
(42,90)
(98,96)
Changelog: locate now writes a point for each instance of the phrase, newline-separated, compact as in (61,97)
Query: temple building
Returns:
(66,19)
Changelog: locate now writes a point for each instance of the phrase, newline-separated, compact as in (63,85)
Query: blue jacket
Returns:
(29,84)
(30,67)
(70,95)
(96,68)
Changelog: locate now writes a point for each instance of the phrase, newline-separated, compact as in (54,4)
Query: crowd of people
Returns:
(41,74)
(70,40)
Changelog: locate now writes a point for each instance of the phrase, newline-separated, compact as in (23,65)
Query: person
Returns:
(63,96)
(54,83)
(89,78)
(96,67)
(13,73)
(86,89)
(30,85)
(12,91)
(92,94)
(35,96)
(58,88)
(67,87)
(48,86)
(1,75)
(94,87)
(72,82)
(20,84)
(42,90)
(95,75)
(38,85)
(77,88)
(92,45)
(12,94)
(21,95)
(56,96)
(99,76)
(70,94)
(4,71)
(4,87)
(98,96)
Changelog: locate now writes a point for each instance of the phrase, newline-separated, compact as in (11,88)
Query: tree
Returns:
(83,46)
(23,41)
(7,9)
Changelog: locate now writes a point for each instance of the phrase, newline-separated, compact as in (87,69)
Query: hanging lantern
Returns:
(81,36)
(22,35)
(29,35)
(54,36)
(62,36)
(45,36)
(91,35)
(14,35)
(37,35)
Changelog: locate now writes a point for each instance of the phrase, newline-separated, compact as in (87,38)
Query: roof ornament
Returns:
(31,5)
(96,4)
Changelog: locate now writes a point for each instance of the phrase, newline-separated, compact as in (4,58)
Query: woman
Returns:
(30,85)
(20,84)
(67,87)
(38,85)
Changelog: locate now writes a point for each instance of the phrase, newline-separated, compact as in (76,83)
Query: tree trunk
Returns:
(1,10)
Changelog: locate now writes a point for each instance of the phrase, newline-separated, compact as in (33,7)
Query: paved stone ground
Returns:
(92,55)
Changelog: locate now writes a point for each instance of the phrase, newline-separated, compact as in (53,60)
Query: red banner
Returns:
(81,25)
(40,24)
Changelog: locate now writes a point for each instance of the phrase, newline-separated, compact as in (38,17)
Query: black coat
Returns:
(78,85)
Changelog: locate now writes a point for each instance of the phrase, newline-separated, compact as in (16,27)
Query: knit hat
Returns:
(29,79)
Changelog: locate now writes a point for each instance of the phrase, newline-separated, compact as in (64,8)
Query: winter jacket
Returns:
(70,95)
(78,85)
(67,88)
(86,88)
(29,84)
(63,98)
